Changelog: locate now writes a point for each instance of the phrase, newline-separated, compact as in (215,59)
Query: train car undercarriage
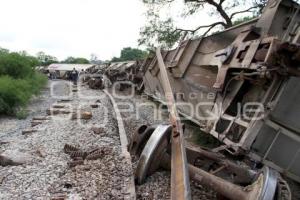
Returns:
(242,87)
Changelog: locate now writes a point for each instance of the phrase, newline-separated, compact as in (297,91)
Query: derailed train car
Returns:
(121,71)
(243,85)
(126,73)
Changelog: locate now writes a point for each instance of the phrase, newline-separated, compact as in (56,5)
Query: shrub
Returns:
(22,114)
(18,82)
(16,93)
(36,82)
(13,93)
(16,65)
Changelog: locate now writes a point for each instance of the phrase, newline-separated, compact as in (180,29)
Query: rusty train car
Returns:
(243,84)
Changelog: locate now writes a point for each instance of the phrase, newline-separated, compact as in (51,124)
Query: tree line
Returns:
(45,60)
(126,54)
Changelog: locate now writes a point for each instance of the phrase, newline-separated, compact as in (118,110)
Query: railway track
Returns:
(130,188)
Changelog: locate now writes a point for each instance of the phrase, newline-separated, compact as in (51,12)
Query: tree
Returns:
(164,31)
(15,65)
(72,60)
(2,50)
(115,59)
(44,59)
(242,20)
(94,59)
(129,53)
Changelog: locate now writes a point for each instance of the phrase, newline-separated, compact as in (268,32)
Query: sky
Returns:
(79,28)
(76,28)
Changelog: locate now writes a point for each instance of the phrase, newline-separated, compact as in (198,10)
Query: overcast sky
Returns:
(70,27)
(78,28)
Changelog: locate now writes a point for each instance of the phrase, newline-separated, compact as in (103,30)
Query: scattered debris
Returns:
(94,105)
(5,161)
(3,142)
(97,130)
(69,148)
(64,100)
(52,111)
(46,175)
(40,153)
(76,153)
(74,163)
(59,197)
(95,155)
(82,115)
(86,115)
(36,122)
(40,118)
(58,106)
(96,83)
(28,131)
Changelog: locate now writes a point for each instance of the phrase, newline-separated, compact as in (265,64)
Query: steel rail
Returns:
(130,194)
(180,184)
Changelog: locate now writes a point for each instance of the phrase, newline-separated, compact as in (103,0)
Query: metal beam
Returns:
(180,184)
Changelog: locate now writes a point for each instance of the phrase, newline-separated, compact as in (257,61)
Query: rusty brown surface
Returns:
(139,139)
(223,187)
(180,186)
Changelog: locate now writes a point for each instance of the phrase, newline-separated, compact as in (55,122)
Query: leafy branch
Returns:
(165,33)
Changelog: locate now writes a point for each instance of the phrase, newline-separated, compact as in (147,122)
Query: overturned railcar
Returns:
(125,73)
(242,86)
(121,71)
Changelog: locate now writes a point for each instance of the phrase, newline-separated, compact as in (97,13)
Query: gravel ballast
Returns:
(46,172)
